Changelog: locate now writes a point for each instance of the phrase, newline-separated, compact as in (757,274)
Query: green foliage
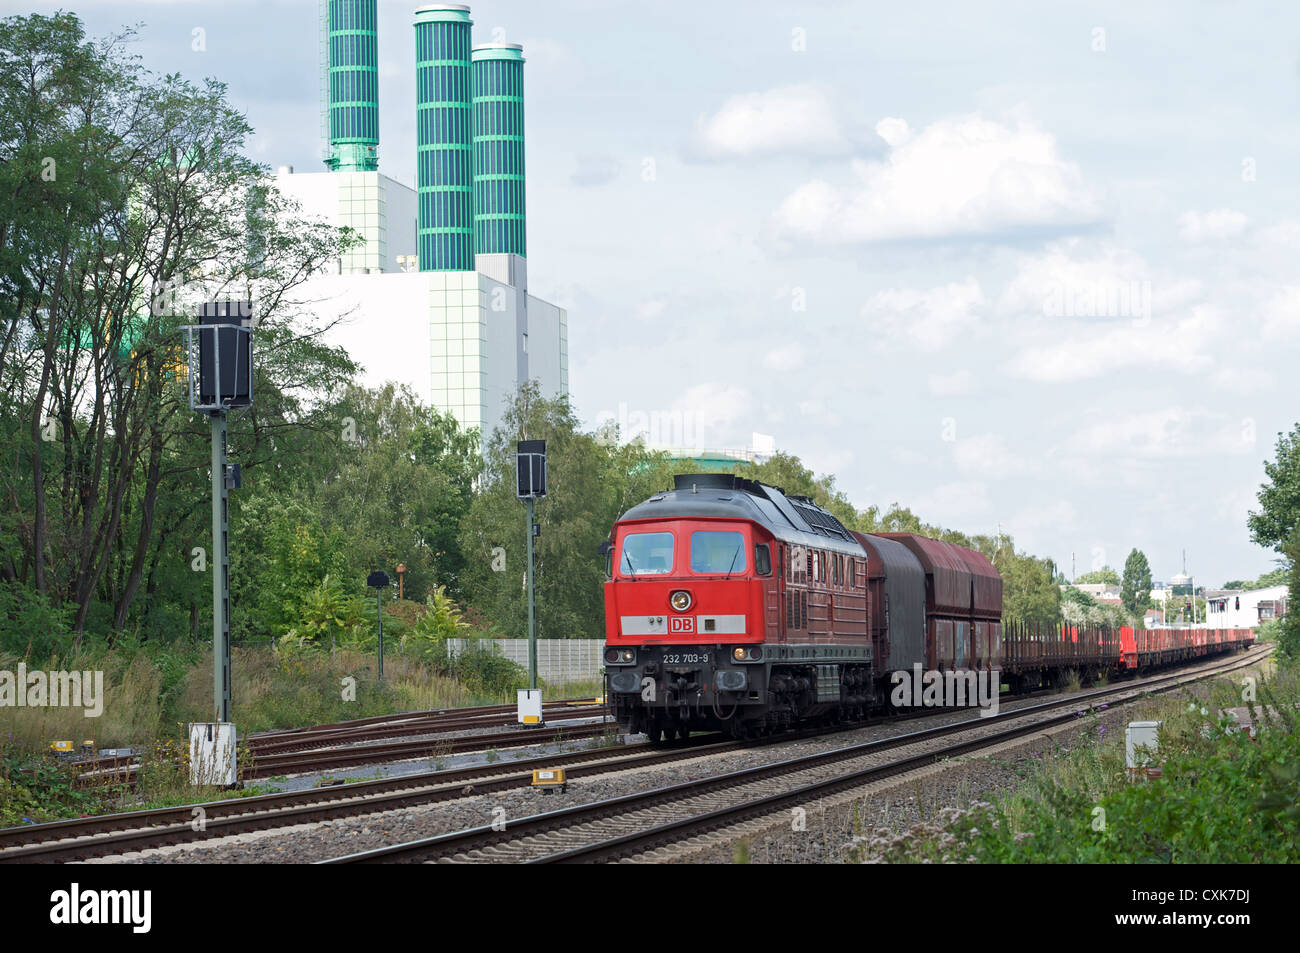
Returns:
(31,626)
(122,186)
(592,481)
(39,787)
(1028,592)
(326,614)
(1288,638)
(1279,499)
(1103,576)
(1079,608)
(788,472)
(441,620)
(1135,590)
(1221,798)
(484,670)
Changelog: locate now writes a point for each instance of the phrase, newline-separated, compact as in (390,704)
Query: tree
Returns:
(1277,524)
(1028,593)
(120,187)
(1103,576)
(1135,590)
(574,516)
(1279,499)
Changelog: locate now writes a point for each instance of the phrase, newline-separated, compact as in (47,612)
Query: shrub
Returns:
(1222,798)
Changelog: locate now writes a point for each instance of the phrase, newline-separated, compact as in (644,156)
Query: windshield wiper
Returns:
(734,557)
(628,559)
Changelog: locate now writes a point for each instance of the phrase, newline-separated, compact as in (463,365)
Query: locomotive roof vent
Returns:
(818,519)
(709,481)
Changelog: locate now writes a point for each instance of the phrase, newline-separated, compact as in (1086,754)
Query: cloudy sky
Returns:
(1012,264)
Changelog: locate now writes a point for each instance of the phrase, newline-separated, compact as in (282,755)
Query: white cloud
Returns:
(952,504)
(590,171)
(962,177)
(714,408)
(1039,521)
(907,456)
(649,310)
(895,132)
(1244,380)
(787,358)
(1171,432)
(929,319)
(987,455)
(1282,315)
(1285,234)
(792,119)
(1212,226)
(1182,345)
(950,385)
(1076,279)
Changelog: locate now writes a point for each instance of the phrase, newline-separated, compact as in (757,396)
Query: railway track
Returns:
(117,833)
(279,752)
(631,824)
(412,723)
(320,759)
(81,838)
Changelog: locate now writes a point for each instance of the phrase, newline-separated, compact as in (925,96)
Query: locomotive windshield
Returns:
(646,554)
(717,552)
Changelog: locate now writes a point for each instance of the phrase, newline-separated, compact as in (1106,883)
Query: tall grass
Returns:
(150,696)
(133,703)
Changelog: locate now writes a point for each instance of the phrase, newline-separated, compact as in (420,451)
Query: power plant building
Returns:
(437,295)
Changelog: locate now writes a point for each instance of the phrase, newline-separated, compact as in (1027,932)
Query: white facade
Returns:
(463,341)
(380,209)
(1249,614)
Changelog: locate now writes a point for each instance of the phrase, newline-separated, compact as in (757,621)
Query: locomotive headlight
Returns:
(681,600)
(738,654)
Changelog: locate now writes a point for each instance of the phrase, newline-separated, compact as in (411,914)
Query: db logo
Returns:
(681,623)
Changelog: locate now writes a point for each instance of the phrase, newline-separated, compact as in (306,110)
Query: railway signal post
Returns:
(378,580)
(530,484)
(219,354)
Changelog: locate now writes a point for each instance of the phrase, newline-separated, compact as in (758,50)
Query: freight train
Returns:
(731,605)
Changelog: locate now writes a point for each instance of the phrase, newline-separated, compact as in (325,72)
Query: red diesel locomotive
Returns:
(733,606)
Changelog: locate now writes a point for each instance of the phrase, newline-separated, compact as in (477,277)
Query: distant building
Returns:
(1246,609)
(437,296)
(1104,593)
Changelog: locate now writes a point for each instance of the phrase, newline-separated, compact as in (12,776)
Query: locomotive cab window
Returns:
(646,554)
(714,551)
(762,560)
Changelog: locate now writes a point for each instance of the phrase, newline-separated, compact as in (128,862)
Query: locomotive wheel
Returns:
(655,733)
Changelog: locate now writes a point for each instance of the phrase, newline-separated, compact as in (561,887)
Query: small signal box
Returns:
(547,780)
(1141,746)
(530,706)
